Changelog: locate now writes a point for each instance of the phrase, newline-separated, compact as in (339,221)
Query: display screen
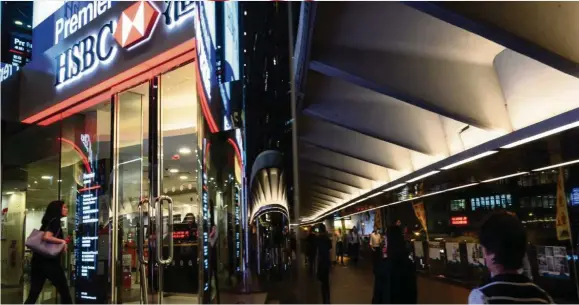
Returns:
(575,196)
(87,225)
(20,49)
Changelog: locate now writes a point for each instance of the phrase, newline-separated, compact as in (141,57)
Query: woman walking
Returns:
(44,267)
(395,276)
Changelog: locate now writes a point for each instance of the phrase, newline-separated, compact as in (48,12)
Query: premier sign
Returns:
(66,27)
(133,27)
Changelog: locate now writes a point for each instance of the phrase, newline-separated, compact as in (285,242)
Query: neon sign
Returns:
(459,221)
(134,27)
(69,26)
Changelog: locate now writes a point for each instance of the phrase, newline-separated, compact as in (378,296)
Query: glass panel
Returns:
(132,165)
(179,168)
(85,166)
(30,174)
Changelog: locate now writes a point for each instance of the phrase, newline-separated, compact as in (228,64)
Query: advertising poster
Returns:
(475,254)
(562,218)
(434,249)
(552,261)
(418,249)
(453,252)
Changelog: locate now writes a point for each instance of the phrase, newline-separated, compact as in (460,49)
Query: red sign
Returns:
(136,24)
(459,221)
(180,234)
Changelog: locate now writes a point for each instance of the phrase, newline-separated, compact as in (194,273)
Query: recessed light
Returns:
(183,177)
(184,150)
(46,177)
(173,170)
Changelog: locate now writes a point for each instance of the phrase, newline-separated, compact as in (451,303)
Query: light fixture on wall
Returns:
(504,177)
(476,157)
(423,176)
(556,165)
(184,150)
(542,135)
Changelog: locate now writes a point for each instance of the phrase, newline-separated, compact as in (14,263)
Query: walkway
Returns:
(354,285)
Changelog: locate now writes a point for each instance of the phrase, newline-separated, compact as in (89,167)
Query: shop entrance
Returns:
(155,202)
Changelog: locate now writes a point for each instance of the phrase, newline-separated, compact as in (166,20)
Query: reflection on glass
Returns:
(132,167)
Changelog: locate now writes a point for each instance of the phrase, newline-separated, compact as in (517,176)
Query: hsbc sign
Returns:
(133,27)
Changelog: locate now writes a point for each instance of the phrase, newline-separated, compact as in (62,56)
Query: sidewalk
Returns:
(354,285)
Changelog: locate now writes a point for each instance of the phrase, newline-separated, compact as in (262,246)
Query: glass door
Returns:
(155,205)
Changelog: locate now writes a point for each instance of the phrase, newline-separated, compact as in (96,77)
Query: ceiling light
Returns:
(504,177)
(9,193)
(18,22)
(173,170)
(423,176)
(184,150)
(556,165)
(46,177)
(35,182)
(29,26)
(486,153)
(542,135)
(183,177)
(394,187)
(448,190)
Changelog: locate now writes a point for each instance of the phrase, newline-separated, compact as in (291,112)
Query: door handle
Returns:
(159,209)
(141,239)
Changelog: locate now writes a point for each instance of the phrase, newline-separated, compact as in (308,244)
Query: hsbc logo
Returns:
(135,25)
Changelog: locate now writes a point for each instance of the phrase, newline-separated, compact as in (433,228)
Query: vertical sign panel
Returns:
(87,219)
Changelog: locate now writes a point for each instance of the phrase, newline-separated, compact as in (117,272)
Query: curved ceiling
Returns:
(393,90)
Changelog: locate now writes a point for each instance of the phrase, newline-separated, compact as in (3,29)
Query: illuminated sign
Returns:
(205,28)
(136,24)
(6,70)
(87,228)
(20,49)
(575,196)
(205,219)
(459,221)
(65,27)
(133,27)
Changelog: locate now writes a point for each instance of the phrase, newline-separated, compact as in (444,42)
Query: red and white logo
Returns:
(136,23)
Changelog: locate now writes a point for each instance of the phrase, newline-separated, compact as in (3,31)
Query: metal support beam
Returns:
(498,35)
(332,71)
(345,154)
(336,169)
(321,177)
(330,199)
(321,117)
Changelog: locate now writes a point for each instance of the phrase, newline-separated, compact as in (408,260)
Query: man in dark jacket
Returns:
(324,262)
(311,251)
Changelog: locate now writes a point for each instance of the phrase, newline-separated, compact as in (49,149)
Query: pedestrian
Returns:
(324,246)
(354,245)
(340,247)
(44,267)
(504,244)
(375,246)
(311,251)
(395,275)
